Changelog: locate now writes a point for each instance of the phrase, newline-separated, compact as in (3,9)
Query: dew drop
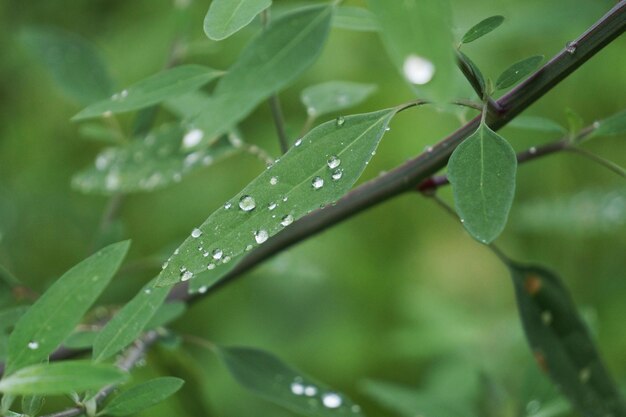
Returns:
(195,233)
(297,388)
(247,203)
(596,124)
(203,289)
(274,180)
(331,400)
(217,254)
(310,391)
(147,291)
(226,259)
(272,206)
(317,183)
(285,198)
(33,345)
(418,70)
(164,265)
(337,174)
(340,121)
(570,47)
(298,143)
(192,138)
(249,248)
(286,220)
(186,275)
(532,150)
(333,162)
(228,205)
(210,266)
(261,236)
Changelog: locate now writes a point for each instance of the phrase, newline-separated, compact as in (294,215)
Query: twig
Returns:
(279,122)
(612,166)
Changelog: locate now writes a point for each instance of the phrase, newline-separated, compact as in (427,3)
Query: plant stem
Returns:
(279,122)
(600,160)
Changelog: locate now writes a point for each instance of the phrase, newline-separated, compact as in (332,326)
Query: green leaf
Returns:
(98,133)
(8,318)
(561,342)
(355,18)
(166,314)
(226,17)
(269,378)
(270,62)
(156,161)
(32,404)
(518,71)
(482,173)
(152,90)
(55,314)
(142,396)
(74,64)
(83,339)
(318,170)
(61,378)
(575,121)
(333,96)
(478,75)
(417,35)
(482,28)
(537,123)
(611,126)
(129,322)
(187,105)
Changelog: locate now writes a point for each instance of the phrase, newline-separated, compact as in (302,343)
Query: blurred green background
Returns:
(399,293)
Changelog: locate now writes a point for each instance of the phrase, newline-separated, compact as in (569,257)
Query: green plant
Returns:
(306,190)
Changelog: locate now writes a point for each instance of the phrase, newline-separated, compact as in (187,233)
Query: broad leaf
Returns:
(482,28)
(166,314)
(355,18)
(562,344)
(418,37)
(268,377)
(482,173)
(74,64)
(270,62)
(152,90)
(61,378)
(318,170)
(537,123)
(613,125)
(333,96)
(55,314)
(129,322)
(518,71)
(142,396)
(226,17)
(156,161)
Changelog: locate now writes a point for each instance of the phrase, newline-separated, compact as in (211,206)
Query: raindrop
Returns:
(428,149)
(210,266)
(205,254)
(261,236)
(247,203)
(418,70)
(333,162)
(192,138)
(337,174)
(287,220)
(196,233)
(228,205)
(298,143)
(596,124)
(310,391)
(285,198)
(317,183)
(164,265)
(274,180)
(272,206)
(217,254)
(33,345)
(331,400)
(226,259)
(249,248)
(297,388)
(570,47)
(186,275)
(532,150)
(340,121)
(203,289)
(147,291)
(387,129)
(124,94)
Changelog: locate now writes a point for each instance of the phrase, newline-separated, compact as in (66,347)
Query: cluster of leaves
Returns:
(318,169)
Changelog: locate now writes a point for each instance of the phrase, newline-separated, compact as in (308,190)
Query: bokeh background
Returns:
(399,294)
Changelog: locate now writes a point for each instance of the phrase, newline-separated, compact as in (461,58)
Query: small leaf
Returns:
(333,96)
(475,71)
(166,314)
(74,64)
(129,322)
(355,18)
(482,28)
(482,173)
(55,314)
(540,124)
(156,161)
(613,125)
(318,170)
(562,344)
(574,120)
(226,17)
(32,404)
(152,90)
(268,377)
(142,396)
(61,378)
(270,62)
(518,71)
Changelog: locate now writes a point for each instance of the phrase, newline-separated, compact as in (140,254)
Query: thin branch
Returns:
(279,122)
(612,166)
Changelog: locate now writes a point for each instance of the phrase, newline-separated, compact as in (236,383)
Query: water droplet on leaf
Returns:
(333,162)
(261,236)
(192,138)
(337,174)
(217,254)
(186,275)
(195,233)
(317,183)
(286,220)
(247,203)
(274,180)
(340,121)
(33,345)
(331,400)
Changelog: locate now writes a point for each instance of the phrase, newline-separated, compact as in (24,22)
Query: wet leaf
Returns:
(482,28)
(333,96)
(355,18)
(518,71)
(142,396)
(226,17)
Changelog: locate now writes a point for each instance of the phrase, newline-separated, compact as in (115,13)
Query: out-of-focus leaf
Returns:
(418,37)
(268,377)
(537,123)
(74,64)
(518,71)
(561,343)
(152,90)
(55,314)
(8,318)
(482,173)
(319,169)
(156,161)
(226,17)
(61,378)
(82,339)
(333,96)
(270,62)
(482,28)
(129,322)
(187,105)
(142,396)
(99,133)
(574,121)
(355,18)
(32,404)
(612,125)
(166,314)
